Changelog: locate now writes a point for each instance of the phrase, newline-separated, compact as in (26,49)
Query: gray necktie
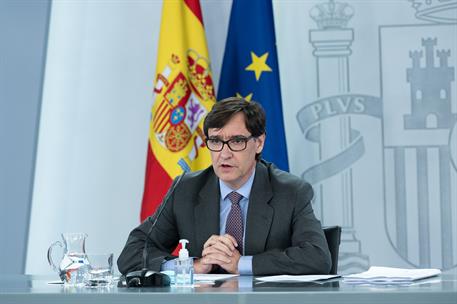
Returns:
(234,224)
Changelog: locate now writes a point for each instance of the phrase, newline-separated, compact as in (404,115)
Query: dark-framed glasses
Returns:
(236,144)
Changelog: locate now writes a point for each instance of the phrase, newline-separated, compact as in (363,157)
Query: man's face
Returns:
(234,168)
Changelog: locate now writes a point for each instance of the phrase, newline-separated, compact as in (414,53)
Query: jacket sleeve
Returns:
(162,240)
(308,253)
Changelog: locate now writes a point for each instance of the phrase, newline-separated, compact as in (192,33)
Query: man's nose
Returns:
(226,152)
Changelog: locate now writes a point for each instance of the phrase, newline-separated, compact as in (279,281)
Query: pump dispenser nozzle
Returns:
(184,267)
(183,253)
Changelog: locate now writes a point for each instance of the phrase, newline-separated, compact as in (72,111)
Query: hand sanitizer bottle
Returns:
(184,267)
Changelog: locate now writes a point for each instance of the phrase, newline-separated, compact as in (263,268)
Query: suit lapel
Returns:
(260,213)
(206,212)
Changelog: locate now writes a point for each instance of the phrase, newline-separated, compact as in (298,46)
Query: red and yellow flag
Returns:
(183,94)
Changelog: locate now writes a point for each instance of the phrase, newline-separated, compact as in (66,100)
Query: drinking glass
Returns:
(100,270)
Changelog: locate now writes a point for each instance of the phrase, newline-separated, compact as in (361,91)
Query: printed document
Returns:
(390,275)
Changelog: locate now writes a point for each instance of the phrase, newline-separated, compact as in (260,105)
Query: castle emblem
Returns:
(430,89)
(419,116)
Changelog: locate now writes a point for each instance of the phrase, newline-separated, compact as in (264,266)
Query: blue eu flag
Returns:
(250,70)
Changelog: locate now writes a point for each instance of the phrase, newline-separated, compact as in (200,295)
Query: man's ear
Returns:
(260,142)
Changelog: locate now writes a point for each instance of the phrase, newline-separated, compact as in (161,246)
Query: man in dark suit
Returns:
(240,215)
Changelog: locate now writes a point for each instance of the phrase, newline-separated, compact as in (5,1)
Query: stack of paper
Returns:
(296,278)
(389,275)
(212,277)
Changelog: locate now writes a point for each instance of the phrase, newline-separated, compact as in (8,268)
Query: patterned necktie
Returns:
(234,224)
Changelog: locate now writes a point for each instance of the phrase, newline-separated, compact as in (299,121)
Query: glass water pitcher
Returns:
(72,267)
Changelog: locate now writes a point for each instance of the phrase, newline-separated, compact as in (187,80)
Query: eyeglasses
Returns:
(236,144)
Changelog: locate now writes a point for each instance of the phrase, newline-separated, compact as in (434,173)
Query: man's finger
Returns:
(215,258)
(211,241)
(226,239)
(229,240)
(217,248)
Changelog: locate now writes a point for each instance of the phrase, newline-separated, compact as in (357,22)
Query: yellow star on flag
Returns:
(248,97)
(258,65)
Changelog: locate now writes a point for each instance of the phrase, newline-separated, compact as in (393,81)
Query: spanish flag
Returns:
(183,95)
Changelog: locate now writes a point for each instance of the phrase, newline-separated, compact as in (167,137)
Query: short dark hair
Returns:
(224,110)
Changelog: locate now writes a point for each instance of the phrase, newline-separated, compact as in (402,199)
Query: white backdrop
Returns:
(95,120)
(96,109)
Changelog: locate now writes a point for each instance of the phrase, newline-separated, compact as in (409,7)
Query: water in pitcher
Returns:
(74,268)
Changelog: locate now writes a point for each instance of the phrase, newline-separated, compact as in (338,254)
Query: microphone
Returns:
(146,277)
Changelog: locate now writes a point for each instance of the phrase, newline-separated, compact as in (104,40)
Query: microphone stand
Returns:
(146,277)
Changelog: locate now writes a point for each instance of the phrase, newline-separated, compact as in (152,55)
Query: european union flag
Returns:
(250,70)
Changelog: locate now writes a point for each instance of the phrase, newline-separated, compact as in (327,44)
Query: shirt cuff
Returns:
(168,265)
(245,265)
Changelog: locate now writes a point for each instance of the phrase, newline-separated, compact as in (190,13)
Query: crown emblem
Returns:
(199,75)
(332,14)
(440,11)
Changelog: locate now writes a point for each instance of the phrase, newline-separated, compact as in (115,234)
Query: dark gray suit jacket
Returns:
(282,233)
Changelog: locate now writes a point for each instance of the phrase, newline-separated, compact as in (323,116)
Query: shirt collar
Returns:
(244,190)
